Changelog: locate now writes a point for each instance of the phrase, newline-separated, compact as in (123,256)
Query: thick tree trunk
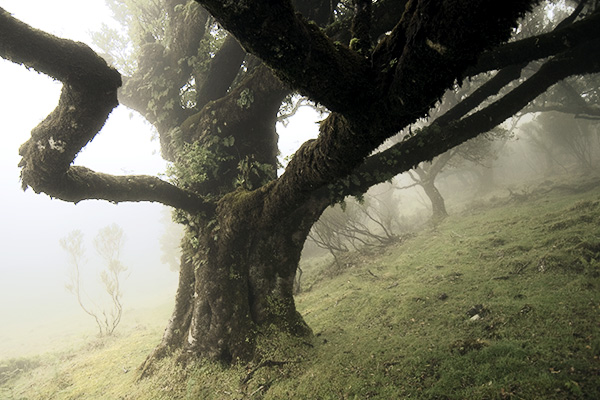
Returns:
(237,282)
(243,287)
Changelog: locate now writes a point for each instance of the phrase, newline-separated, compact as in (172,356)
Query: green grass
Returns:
(398,323)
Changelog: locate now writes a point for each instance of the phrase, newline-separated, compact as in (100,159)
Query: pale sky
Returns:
(33,268)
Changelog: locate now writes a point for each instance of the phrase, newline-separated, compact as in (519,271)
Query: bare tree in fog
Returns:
(211,76)
(108,243)
(354,226)
(73,245)
(475,151)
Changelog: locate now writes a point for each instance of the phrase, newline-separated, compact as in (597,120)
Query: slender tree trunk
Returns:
(427,174)
(438,205)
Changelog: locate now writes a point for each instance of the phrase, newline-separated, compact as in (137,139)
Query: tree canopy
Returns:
(400,78)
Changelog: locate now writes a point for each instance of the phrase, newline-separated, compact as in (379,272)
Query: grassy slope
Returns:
(397,324)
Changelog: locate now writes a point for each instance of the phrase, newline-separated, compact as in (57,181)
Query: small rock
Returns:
(525,309)
(478,309)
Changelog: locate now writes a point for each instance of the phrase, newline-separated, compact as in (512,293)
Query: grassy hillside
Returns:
(501,302)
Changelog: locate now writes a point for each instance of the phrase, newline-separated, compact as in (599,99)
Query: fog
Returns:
(495,239)
(35,307)
(33,267)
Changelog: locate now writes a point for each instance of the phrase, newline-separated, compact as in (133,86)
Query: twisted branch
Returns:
(88,96)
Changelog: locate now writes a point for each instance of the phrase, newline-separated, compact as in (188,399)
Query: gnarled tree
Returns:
(213,98)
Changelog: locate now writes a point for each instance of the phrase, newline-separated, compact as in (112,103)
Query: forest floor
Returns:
(501,301)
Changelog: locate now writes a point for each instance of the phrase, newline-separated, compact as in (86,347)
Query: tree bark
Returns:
(237,282)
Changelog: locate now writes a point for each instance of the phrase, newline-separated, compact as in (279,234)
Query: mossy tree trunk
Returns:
(236,281)
(215,106)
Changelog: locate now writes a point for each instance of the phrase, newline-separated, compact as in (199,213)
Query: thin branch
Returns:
(302,102)
(412,185)
(489,88)
(540,46)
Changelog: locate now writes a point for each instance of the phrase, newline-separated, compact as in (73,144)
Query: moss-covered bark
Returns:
(236,281)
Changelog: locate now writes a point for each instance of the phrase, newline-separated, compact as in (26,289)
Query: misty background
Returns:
(34,269)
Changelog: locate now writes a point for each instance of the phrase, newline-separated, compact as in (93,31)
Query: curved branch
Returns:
(65,60)
(88,96)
